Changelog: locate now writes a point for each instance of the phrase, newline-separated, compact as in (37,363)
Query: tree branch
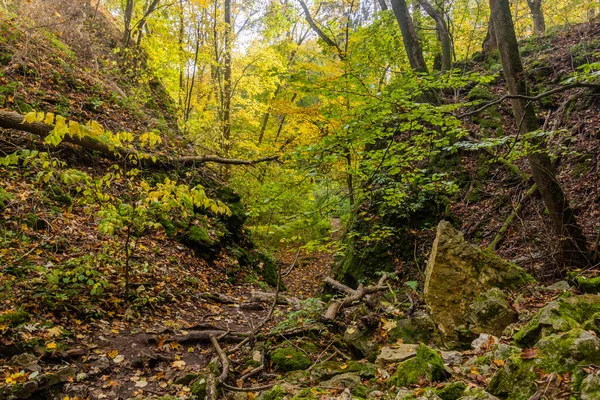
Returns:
(530,98)
(13,120)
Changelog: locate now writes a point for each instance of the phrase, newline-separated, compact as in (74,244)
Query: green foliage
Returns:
(309,313)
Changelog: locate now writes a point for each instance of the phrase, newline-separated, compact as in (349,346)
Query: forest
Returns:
(300,199)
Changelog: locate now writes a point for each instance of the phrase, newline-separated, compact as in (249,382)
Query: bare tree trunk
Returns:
(227,79)
(442,32)
(573,248)
(490,43)
(409,36)
(383,5)
(142,23)
(539,23)
(127,17)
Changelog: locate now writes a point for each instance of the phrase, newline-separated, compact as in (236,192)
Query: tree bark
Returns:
(313,25)
(573,248)
(490,43)
(442,32)
(227,79)
(127,17)
(409,36)
(383,5)
(142,23)
(539,23)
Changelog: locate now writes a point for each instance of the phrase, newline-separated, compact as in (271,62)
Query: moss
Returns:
(559,316)
(199,236)
(427,364)
(276,393)
(419,329)
(480,93)
(289,359)
(328,369)
(452,391)
(15,317)
(516,380)
(198,387)
(589,285)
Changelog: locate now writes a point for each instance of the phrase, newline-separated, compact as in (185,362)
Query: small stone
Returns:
(25,361)
(560,286)
(484,342)
(397,353)
(347,380)
(452,357)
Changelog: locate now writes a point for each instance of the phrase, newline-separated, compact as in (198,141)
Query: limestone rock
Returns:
(457,273)
(26,361)
(491,313)
(479,394)
(360,341)
(418,329)
(560,286)
(397,353)
(328,369)
(347,380)
(562,315)
(289,358)
(426,365)
(484,342)
(590,387)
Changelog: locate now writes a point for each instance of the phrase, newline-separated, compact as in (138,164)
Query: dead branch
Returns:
(13,120)
(218,298)
(211,387)
(354,295)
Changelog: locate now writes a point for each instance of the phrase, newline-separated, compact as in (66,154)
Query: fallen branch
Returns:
(13,120)
(354,295)
(219,298)
(530,98)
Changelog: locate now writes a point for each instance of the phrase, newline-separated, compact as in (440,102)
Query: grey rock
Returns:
(452,357)
(348,380)
(491,313)
(483,342)
(26,361)
(590,387)
(397,353)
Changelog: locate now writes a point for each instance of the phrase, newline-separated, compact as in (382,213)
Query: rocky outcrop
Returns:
(457,274)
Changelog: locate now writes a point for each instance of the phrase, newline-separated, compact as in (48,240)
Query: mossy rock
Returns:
(454,260)
(560,316)
(289,358)
(590,387)
(328,369)
(491,313)
(561,353)
(276,393)
(589,285)
(360,342)
(452,391)
(418,329)
(426,365)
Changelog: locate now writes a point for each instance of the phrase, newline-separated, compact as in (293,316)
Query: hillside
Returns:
(229,200)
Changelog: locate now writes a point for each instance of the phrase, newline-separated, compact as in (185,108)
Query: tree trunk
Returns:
(227,79)
(409,36)
(573,249)
(127,17)
(442,32)
(383,5)
(490,43)
(539,23)
(142,22)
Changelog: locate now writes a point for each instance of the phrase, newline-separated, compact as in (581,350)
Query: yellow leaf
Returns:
(55,331)
(179,364)
(344,366)
(113,353)
(474,371)
(499,363)
(49,120)
(30,117)
(51,345)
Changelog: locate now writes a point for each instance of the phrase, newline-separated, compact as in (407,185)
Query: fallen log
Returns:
(13,120)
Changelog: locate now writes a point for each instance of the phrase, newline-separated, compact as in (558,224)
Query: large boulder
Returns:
(560,316)
(457,274)
(426,366)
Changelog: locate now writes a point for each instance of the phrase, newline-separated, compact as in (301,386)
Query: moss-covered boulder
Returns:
(426,365)
(452,391)
(491,313)
(560,316)
(457,273)
(418,329)
(561,353)
(588,285)
(289,358)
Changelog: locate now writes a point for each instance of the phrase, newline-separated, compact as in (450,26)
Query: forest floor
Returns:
(127,355)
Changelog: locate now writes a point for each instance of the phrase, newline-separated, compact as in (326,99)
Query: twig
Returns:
(293,264)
